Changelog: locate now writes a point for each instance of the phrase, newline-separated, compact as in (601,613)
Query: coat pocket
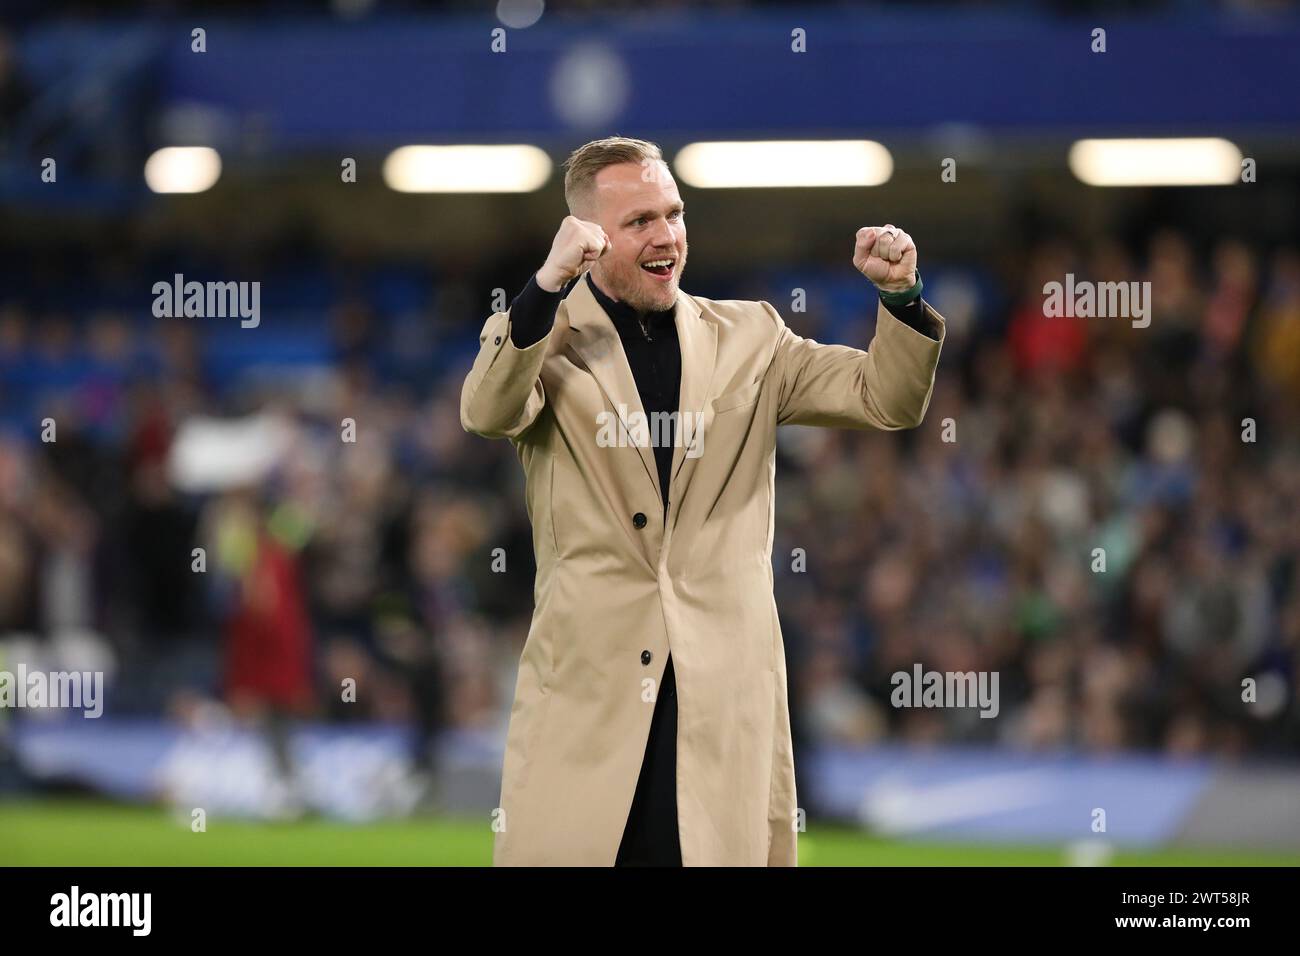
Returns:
(737,398)
(550,506)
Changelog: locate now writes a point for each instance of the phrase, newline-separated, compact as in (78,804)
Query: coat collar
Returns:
(624,315)
(594,337)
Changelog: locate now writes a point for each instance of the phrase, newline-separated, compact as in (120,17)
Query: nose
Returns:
(664,234)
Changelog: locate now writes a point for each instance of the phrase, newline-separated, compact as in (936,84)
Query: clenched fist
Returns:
(887,256)
(577,246)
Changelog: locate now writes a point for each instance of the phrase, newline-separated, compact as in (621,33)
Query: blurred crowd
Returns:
(1112,526)
(1102,514)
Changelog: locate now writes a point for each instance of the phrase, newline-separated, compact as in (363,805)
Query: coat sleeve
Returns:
(502,395)
(888,386)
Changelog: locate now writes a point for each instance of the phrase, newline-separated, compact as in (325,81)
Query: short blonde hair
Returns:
(590,158)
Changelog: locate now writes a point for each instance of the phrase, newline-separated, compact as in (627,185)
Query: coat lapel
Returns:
(698,339)
(594,338)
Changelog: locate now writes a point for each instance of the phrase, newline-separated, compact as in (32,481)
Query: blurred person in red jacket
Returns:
(268,646)
(1045,346)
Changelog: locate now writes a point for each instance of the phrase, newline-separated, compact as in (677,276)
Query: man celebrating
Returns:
(650,724)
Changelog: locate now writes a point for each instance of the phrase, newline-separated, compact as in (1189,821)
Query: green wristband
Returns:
(904,297)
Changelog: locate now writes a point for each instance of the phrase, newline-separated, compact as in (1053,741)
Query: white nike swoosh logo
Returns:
(892,806)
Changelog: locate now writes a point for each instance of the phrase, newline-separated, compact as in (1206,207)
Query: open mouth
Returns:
(660,268)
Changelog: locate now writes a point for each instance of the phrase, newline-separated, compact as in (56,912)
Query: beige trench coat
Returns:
(698,583)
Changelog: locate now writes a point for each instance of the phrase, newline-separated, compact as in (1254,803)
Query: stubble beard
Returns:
(629,288)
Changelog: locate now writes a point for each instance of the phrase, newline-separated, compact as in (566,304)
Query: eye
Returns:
(675,215)
(640,221)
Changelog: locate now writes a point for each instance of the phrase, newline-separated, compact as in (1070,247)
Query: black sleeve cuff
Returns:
(915,316)
(532,314)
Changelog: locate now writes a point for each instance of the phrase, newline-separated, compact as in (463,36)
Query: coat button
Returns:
(646,657)
(497,340)
(638,520)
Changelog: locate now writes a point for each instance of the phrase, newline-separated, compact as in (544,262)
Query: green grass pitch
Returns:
(75,832)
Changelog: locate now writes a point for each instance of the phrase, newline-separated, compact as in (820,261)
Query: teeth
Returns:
(658,262)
